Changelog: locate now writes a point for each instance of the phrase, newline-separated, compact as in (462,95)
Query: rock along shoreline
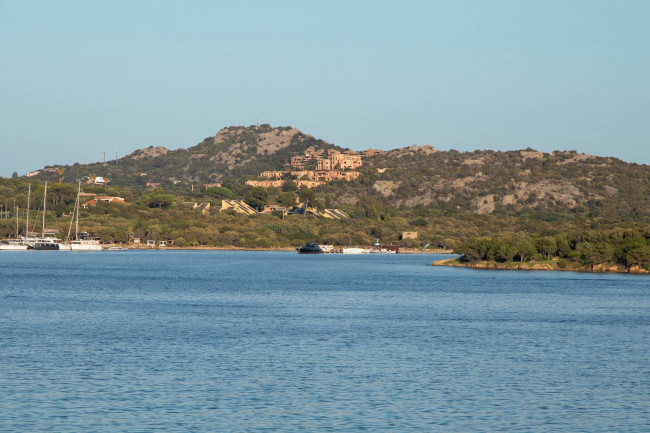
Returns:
(532,266)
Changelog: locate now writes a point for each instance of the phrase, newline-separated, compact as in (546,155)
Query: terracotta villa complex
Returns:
(334,166)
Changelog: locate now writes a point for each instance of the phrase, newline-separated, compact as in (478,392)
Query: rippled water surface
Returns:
(277,342)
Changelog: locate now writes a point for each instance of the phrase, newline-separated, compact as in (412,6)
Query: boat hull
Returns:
(13,247)
(45,246)
(355,250)
(84,246)
(310,248)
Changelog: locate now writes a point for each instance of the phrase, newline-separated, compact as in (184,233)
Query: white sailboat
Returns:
(13,244)
(49,242)
(354,250)
(28,239)
(78,244)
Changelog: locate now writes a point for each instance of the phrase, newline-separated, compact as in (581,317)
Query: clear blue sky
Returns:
(80,77)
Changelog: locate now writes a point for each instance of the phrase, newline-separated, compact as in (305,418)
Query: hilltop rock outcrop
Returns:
(148,152)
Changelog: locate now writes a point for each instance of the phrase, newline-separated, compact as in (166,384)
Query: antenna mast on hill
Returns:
(115,156)
(104,152)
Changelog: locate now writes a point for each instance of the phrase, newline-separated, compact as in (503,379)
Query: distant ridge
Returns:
(523,182)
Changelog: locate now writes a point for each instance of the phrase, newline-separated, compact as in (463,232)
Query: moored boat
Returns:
(383,251)
(355,250)
(47,244)
(81,241)
(85,245)
(310,248)
(48,240)
(12,245)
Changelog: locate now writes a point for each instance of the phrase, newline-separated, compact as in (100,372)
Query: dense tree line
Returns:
(628,247)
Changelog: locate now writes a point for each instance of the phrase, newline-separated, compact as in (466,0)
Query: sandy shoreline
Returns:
(210,248)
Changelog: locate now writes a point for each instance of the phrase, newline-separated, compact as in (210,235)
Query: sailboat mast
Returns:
(29,194)
(16,221)
(76,231)
(44,204)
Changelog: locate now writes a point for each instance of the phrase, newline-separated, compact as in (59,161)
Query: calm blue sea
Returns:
(210,341)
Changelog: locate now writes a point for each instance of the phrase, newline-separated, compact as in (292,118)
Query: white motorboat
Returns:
(382,251)
(85,245)
(12,245)
(48,244)
(355,250)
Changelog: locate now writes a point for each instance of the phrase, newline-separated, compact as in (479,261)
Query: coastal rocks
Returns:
(448,262)
(636,269)
(532,266)
(608,268)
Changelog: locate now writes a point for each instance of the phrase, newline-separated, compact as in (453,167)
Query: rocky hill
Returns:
(233,152)
(545,186)
(516,182)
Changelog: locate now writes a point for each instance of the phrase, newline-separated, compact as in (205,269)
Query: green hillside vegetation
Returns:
(160,215)
(529,184)
(234,152)
(451,199)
